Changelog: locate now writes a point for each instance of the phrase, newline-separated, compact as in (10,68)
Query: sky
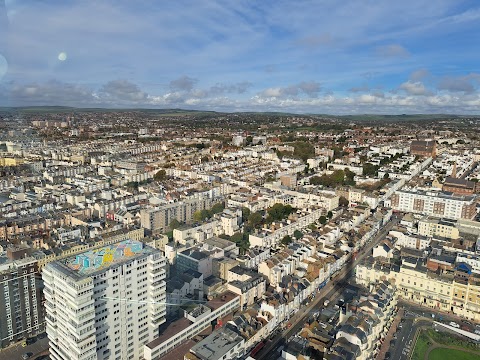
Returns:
(324,56)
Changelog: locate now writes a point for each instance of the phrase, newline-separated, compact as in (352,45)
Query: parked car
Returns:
(454,324)
(27,355)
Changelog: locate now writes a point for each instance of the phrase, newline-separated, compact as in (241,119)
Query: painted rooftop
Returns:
(97,259)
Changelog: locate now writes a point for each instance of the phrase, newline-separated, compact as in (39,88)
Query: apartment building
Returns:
(159,218)
(439,204)
(22,313)
(431,226)
(105,303)
(455,290)
(180,333)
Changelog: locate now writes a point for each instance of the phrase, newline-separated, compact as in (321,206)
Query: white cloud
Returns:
(309,88)
(411,97)
(414,88)
(419,75)
(122,90)
(183,83)
(466,84)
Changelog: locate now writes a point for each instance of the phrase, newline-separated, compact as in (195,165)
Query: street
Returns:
(15,352)
(330,291)
(415,318)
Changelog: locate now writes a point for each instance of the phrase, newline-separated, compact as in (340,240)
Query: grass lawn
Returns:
(448,354)
(421,346)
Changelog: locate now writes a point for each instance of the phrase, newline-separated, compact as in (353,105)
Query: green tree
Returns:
(245,213)
(315,180)
(329,215)
(343,201)
(287,239)
(237,238)
(241,240)
(370,169)
(197,216)
(255,219)
(279,211)
(160,175)
(349,177)
(201,215)
(303,150)
(298,234)
(217,208)
(386,176)
(174,224)
(323,220)
(338,176)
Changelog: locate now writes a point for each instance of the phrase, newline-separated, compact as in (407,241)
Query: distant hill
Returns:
(173,112)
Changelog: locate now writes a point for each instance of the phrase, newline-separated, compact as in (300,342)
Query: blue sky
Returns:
(339,57)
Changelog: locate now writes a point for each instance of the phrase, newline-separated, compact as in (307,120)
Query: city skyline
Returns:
(306,57)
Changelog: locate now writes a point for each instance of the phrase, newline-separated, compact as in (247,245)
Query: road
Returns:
(417,317)
(15,352)
(330,291)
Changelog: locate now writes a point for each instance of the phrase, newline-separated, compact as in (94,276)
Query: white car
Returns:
(454,324)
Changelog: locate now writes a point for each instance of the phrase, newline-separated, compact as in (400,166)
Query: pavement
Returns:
(386,344)
(14,352)
(417,317)
(331,291)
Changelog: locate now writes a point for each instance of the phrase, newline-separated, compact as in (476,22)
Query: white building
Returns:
(440,204)
(408,240)
(105,303)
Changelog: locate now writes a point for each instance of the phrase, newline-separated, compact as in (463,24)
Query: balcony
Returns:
(159,277)
(50,306)
(159,321)
(157,270)
(158,316)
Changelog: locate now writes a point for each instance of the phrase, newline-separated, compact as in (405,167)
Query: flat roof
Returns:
(221,300)
(217,344)
(168,332)
(182,323)
(91,261)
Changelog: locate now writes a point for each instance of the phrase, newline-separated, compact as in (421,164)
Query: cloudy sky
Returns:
(323,56)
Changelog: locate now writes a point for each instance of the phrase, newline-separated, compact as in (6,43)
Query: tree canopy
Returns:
(174,224)
(160,175)
(298,234)
(279,212)
(287,239)
(202,215)
(255,219)
(303,150)
(370,169)
(337,177)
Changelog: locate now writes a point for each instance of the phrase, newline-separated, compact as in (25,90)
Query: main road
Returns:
(331,291)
